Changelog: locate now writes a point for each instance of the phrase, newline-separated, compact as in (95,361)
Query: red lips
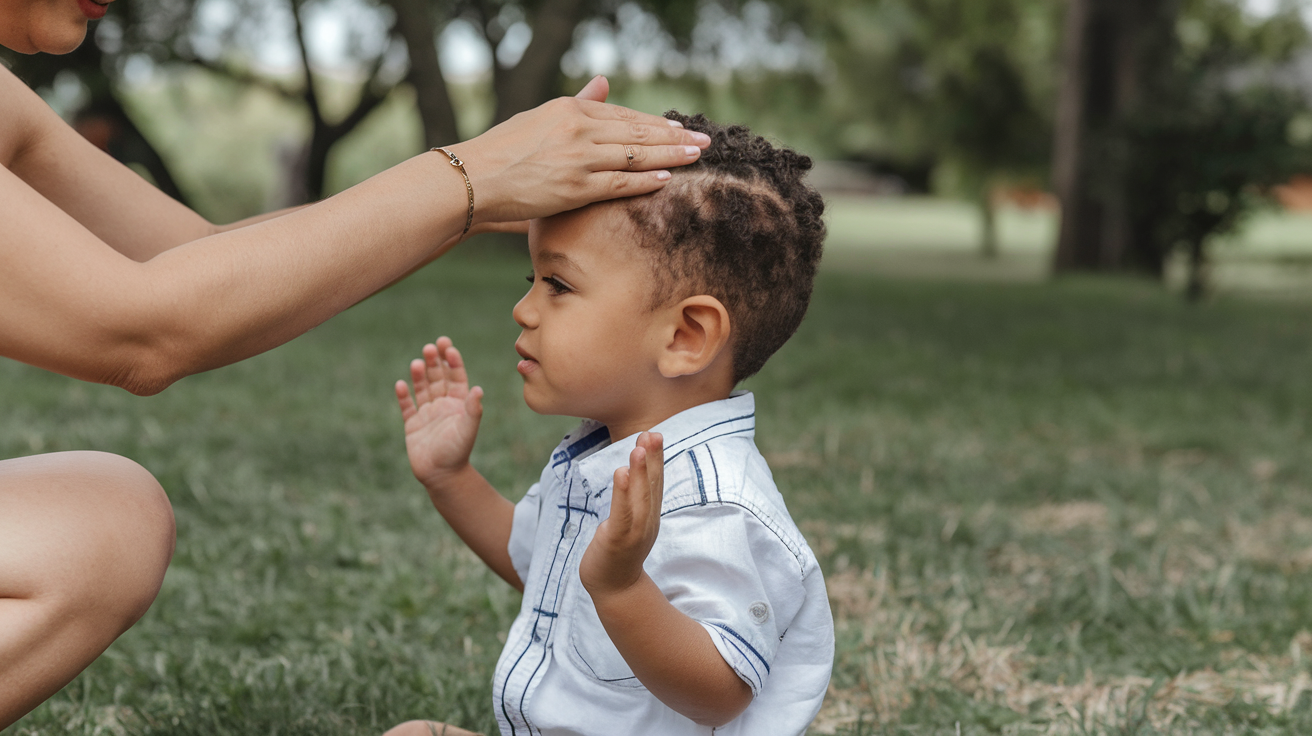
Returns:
(92,9)
(528,364)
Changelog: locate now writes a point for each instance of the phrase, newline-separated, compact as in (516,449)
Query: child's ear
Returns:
(698,333)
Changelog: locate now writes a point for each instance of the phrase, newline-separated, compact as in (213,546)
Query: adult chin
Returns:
(47,26)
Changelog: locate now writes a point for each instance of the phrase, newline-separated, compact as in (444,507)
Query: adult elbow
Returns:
(144,382)
(148,386)
(147,370)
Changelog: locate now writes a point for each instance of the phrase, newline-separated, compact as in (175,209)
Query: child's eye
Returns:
(556,285)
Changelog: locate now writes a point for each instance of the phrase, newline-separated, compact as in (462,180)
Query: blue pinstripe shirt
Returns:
(728,555)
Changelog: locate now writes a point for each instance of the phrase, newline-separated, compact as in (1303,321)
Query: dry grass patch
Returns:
(1061,518)
(899,662)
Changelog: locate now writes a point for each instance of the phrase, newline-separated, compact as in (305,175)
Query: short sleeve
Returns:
(523,531)
(727,570)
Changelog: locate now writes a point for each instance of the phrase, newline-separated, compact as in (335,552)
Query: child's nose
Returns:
(525,316)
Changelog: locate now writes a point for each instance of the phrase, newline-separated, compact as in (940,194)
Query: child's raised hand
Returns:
(441,420)
(613,561)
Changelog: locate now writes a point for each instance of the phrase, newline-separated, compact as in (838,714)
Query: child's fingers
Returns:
(620,502)
(474,403)
(436,374)
(639,491)
(655,445)
(419,377)
(456,376)
(403,398)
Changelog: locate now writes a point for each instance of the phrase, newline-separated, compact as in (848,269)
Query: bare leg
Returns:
(427,728)
(85,538)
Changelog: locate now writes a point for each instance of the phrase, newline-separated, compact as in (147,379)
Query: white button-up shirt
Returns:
(728,555)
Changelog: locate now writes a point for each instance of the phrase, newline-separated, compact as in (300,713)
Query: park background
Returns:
(1046,424)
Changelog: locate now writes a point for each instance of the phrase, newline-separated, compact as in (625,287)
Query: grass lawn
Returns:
(1072,507)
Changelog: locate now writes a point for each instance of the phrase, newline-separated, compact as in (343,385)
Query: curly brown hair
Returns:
(741,225)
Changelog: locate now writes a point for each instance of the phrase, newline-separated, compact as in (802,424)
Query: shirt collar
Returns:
(588,448)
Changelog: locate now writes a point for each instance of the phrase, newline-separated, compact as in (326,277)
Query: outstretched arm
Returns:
(441,422)
(670,653)
(76,298)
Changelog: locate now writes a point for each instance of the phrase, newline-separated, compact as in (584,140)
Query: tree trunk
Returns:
(988,227)
(1113,50)
(1073,241)
(325,135)
(533,81)
(414,21)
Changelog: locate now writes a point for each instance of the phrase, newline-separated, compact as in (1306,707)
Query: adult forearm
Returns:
(256,219)
(90,294)
(235,294)
(480,516)
(671,654)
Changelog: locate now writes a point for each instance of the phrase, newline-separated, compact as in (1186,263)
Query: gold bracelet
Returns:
(456,162)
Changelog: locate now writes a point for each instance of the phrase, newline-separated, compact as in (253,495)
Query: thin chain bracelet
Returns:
(456,162)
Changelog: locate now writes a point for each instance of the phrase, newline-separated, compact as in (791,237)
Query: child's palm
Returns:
(441,421)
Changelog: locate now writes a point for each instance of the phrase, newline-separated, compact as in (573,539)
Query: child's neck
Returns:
(663,404)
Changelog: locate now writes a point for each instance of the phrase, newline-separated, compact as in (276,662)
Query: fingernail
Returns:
(663,175)
(692,151)
(674,123)
(701,137)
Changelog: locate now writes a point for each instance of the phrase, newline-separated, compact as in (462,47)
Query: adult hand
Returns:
(570,152)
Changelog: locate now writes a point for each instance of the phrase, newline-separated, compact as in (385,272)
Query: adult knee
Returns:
(409,728)
(130,541)
(142,509)
(427,728)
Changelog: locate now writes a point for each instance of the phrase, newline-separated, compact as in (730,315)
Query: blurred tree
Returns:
(1171,126)
(417,25)
(966,85)
(1116,55)
(393,42)
(1213,157)
(101,116)
(535,76)
(165,31)
(229,50)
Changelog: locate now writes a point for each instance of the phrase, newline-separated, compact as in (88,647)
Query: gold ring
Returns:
(628,153)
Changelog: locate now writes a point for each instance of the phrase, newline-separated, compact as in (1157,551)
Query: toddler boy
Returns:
(666,589)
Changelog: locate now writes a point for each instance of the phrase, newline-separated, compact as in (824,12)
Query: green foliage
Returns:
(1199,167)
(1214,132)
(970,84)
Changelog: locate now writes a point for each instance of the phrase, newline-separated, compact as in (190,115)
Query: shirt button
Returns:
(759,611)
(571,528)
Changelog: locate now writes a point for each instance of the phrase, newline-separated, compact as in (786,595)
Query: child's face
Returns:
(589,340)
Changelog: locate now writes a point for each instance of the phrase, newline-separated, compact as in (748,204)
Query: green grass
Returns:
(1071,507)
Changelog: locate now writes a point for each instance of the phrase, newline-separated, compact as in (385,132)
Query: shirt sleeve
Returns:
(523,531)
(728,570)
